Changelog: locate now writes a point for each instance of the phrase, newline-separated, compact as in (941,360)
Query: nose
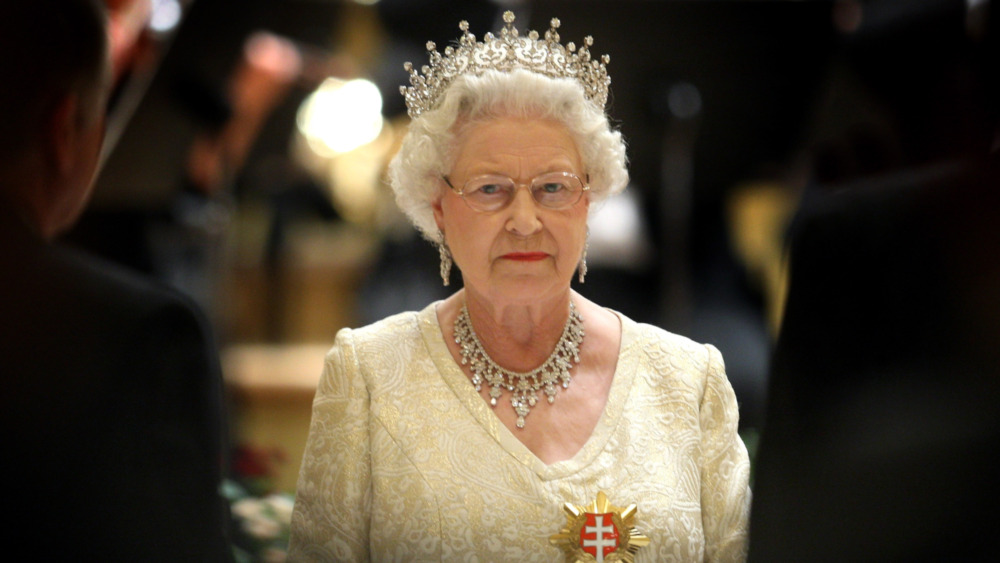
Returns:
(523,214)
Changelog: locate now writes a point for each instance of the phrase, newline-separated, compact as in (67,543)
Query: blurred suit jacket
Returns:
(110,411)
(884,417)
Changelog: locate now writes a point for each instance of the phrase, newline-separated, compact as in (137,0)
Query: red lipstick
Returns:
(526,256)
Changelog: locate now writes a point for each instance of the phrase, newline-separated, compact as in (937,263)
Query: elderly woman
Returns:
(516,420)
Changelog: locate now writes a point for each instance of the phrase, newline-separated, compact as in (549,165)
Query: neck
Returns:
(518,336)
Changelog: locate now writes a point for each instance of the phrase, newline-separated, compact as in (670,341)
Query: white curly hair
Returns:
(427,152)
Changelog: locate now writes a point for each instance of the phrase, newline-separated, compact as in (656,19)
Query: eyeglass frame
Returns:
(461,193)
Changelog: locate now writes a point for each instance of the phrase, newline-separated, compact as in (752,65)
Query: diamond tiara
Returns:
(546,56)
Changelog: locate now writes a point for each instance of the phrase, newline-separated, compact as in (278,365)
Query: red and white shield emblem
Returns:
(599,531)
(599,536)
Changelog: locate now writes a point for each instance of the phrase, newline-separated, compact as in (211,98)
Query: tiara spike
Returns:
(505,53)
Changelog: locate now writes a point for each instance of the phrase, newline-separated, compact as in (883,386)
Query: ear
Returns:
(438,214)
(438,211)
(61,134)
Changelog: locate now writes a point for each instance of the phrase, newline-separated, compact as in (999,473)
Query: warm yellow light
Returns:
(341,116)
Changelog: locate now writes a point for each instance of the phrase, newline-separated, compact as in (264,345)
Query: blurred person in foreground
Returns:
(516,420)
(883,426)
(110,404)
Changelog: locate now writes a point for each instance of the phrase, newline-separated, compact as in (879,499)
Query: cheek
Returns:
(453,219)
(580,233)
(467,232)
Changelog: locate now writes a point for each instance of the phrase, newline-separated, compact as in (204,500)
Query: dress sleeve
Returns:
(330,521)
(725,468)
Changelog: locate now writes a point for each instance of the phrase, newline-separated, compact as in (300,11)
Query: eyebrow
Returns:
(548,170)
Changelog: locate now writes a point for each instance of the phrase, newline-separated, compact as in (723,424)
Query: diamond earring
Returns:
(445,254)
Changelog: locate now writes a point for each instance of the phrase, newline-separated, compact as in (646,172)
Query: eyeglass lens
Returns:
(554,190)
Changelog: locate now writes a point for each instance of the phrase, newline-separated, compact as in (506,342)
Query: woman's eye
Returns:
(490,189)
(553,187)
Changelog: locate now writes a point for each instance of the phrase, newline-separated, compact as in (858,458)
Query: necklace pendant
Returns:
(523,387)
(520,408)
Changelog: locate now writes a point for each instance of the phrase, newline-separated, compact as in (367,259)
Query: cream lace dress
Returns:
(406,462)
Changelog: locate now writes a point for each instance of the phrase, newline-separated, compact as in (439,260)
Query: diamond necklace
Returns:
(523,386)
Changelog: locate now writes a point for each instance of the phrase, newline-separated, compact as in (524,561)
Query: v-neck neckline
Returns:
(466,394)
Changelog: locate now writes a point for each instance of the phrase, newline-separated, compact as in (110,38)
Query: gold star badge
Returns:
(599,532)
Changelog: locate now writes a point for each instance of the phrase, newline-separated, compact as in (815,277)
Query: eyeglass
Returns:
(553,190)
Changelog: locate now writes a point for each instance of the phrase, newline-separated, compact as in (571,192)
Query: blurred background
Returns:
(248,140)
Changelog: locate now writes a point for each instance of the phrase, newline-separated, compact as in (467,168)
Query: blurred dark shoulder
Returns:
(71,323)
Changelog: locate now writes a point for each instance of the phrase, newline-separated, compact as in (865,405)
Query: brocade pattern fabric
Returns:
(406,462)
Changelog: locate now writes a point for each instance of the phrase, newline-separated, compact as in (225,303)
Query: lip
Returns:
(526,256)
